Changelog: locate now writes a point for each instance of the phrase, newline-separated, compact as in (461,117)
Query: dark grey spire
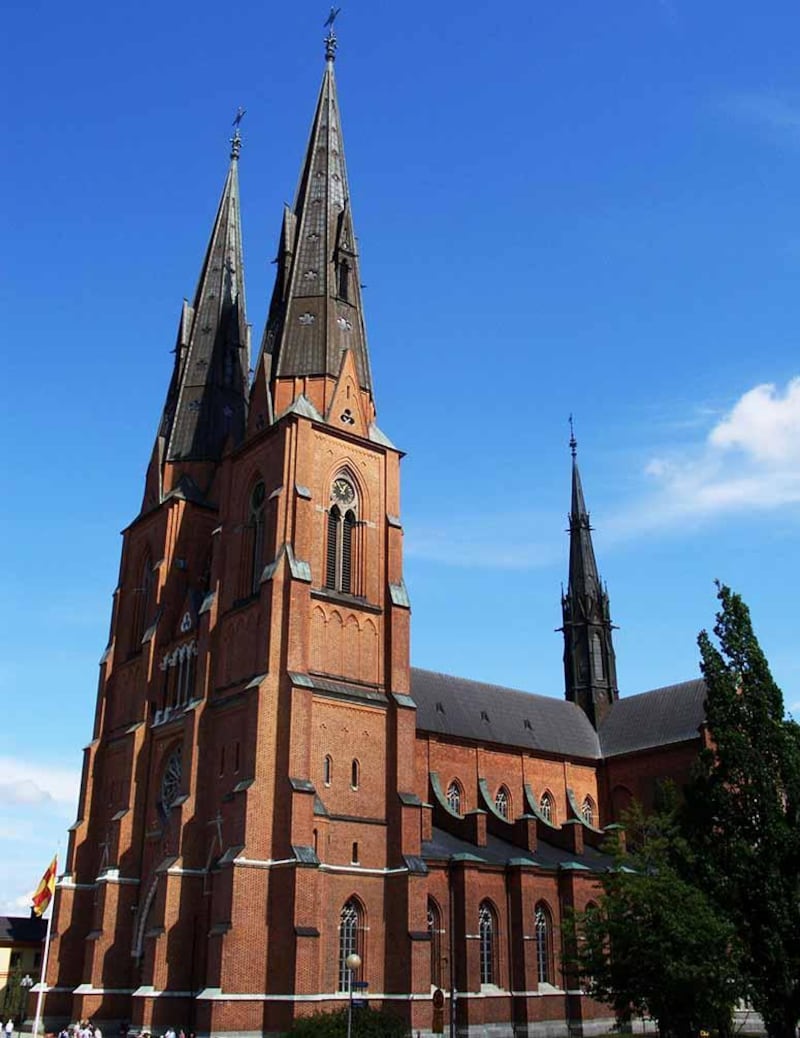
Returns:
(590,672)
(207,399)
(316,312)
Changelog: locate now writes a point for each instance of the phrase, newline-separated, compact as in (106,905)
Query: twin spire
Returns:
(315,315)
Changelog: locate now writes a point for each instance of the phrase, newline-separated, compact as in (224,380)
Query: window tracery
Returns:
(453,796)
(351,931)
(180,677)
(341,527)
(544,944)
(487,937)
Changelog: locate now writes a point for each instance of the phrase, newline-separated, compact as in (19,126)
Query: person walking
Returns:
(8,1030)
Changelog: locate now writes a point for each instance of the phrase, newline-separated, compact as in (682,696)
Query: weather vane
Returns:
(236,140)
(330,39)
(573,443)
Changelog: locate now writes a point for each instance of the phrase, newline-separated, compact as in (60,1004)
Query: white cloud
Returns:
(749,462)
(29,782)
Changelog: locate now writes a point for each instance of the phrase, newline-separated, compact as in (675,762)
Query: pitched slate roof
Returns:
(444,845)
(656,718)
(21,929)
(491,713)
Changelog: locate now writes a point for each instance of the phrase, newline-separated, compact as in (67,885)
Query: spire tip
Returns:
(573,443)
(236,140)
(331,43)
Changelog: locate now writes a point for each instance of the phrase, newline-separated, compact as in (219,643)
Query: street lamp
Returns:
(353,962)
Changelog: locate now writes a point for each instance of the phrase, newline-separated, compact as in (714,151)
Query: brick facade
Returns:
(257,762)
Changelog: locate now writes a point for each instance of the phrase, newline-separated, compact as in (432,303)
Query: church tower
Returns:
(247,813)
(590,669)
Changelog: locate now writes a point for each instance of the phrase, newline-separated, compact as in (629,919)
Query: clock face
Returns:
(343,493)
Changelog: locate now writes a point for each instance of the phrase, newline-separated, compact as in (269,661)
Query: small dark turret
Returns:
(590,669)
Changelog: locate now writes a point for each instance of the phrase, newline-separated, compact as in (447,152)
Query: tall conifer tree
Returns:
(742,812)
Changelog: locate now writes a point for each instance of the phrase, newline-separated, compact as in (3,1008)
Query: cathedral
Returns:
(270,789)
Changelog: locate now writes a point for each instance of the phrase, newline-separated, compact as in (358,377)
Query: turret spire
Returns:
(207,398)
(590,671)
(316,314)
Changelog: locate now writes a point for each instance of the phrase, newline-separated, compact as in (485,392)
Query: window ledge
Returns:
(358,601)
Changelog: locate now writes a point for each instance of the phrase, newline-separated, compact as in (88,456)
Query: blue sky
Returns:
(579,207)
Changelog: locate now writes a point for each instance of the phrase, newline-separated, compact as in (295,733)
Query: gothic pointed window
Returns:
(340,549)
(347,551)
(253,546)
(543,933)
(143,603)
(502,802)
(454,797)
(351,940)
(587,810)
(257,522)
(546,808)
(487,934)
(435,934)
(327,769)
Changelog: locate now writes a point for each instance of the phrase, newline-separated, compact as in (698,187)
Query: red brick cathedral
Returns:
(270,787)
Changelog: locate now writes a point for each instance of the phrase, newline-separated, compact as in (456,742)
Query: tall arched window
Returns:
(355,774)
(546,808)
(435,933)
(543,931)
(502,802)
(142,603)
(351,931)
(340,549)
(454,797)
(253,547)
(587,810)
(487,933)
(327,770)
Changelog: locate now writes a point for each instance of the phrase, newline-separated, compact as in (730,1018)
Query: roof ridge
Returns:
(491,684)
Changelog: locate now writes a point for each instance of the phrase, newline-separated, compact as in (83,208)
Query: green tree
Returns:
(367,1023)
(14,996)
(742,813)
(654,944)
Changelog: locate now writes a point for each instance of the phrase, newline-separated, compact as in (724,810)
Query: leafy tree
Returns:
(742,812)
(367,1023)
(654,944)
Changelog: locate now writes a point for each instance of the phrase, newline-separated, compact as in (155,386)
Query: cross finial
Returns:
(573,443)
(236,140)
(331,42)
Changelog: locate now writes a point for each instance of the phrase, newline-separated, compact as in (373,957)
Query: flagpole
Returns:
(41,984)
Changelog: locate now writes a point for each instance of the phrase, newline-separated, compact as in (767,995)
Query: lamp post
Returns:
(352,962)
(26,984)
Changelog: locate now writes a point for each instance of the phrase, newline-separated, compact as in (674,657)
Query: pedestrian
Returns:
(97,1033)
(9,1028)
(170,1033)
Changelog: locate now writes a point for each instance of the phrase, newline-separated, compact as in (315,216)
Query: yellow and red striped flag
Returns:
(43,894)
